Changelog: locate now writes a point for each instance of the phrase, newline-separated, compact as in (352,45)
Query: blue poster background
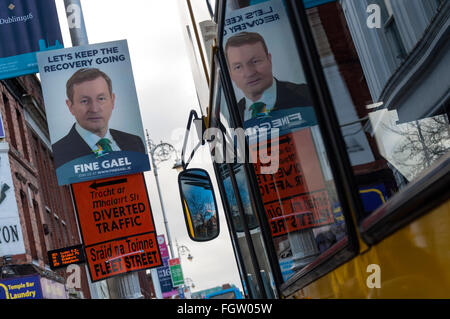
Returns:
(26,26)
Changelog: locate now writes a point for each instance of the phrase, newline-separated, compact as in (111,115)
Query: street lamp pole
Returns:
(162,152)
(182,250)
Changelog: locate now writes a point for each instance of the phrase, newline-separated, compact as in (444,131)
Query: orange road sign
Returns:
(295,197)
(116,225)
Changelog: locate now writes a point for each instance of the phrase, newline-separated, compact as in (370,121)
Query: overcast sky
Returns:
(166,94)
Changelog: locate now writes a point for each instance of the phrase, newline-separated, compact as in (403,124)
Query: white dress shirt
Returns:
(268,97)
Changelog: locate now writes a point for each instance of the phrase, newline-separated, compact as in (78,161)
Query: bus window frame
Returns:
(217,87)
(334,144)
(418,198)
(415,200)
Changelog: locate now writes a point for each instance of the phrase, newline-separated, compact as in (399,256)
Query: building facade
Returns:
(45,210)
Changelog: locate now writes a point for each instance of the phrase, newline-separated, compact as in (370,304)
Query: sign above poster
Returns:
(26,27)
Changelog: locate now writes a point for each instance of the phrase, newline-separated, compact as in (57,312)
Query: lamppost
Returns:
(189,282)
(184,250)
(159,153)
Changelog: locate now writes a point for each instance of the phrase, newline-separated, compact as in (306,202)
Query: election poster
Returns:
(93,112)
(117,226)
(269,22)
(176,272)
(11,238)
(26,27)
(276,108)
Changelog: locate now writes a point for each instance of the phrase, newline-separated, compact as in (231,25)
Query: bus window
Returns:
(259,278)
(275,108)
(394,118)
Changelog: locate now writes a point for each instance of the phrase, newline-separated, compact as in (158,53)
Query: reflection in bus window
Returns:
(243,241)
(394,118)
(299,198)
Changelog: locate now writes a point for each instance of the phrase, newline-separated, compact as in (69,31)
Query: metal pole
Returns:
(124,286)
(75,20)
(166,223)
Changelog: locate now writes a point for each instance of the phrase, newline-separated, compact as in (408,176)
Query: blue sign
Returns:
(87,147)
(165,280)
(21,288)
(373,197)
(26,27)
(307,3)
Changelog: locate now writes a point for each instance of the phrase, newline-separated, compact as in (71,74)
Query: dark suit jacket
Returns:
(288,95)
(73,146)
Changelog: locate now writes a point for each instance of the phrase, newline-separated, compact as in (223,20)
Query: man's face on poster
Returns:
(92,105)
(250,69)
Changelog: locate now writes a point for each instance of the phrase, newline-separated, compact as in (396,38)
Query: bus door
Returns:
(247,236)
(281,189)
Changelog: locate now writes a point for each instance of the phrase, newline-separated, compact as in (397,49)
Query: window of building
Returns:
(22,135)
(28,224)
(391,30)
(9,119)
(41,229)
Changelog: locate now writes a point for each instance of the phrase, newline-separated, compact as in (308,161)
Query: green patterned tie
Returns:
(258,109)
(104,145)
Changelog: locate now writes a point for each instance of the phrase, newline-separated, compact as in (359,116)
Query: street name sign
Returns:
(116,225)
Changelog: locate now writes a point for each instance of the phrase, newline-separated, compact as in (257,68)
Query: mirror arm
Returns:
(200,126)
(192,154)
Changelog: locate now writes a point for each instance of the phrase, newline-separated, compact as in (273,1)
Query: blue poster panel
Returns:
(26,27)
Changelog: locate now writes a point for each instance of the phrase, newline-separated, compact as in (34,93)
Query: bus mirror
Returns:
(199,204)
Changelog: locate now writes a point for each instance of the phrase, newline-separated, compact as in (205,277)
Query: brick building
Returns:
(46,212)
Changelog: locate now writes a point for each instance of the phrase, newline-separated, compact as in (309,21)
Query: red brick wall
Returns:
(35,184)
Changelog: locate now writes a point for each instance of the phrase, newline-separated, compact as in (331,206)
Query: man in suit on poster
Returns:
(250,66)
(91,101)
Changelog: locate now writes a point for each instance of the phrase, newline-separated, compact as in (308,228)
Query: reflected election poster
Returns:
(292,180)
(93,112)
(26,27)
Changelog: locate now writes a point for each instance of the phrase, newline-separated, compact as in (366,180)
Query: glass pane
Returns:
(394,118)
(286,147)
(220,157)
